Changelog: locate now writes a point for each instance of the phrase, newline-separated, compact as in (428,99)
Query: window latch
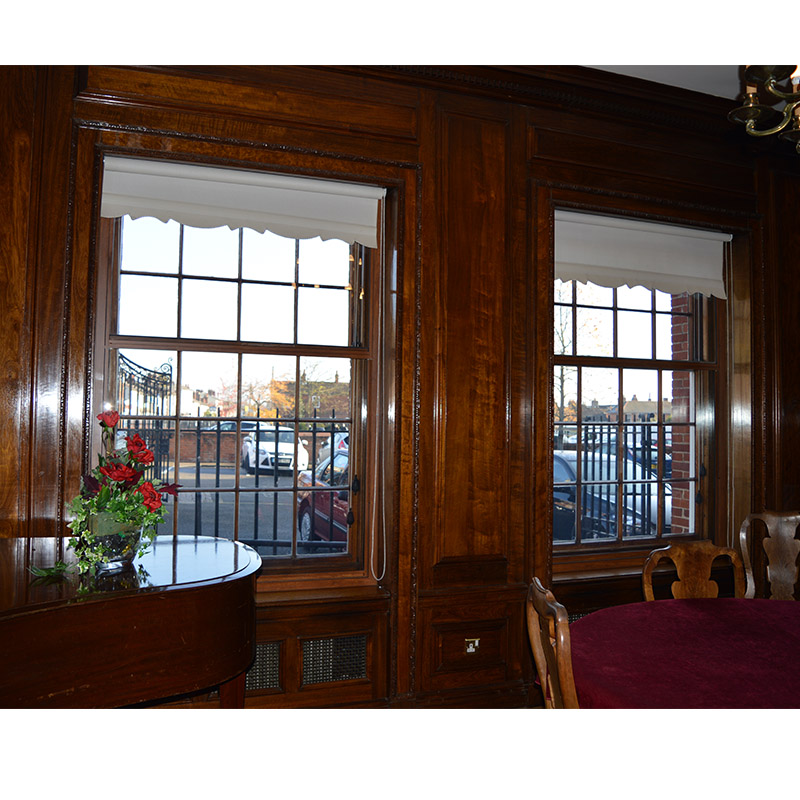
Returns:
(350,518)
(356,487)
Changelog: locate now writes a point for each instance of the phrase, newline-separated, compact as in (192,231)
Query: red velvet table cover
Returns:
(720,653)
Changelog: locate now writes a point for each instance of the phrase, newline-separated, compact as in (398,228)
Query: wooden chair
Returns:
(548,630)
(781,549)
(693,561)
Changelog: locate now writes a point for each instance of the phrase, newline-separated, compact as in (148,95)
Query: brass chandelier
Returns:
(753,113)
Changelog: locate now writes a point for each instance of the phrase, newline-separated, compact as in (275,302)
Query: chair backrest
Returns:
(693,562)
(548,630)
(781,549)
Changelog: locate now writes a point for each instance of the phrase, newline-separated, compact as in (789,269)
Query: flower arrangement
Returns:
(118,488)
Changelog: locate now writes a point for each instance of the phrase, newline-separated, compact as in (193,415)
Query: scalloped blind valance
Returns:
(612,251)
(209,197)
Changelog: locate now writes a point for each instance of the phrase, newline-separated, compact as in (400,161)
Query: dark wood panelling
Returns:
(472,474)
(449,623)
(364,112)
(16,146)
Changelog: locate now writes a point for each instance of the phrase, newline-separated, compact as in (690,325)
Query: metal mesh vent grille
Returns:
(265,672)
(341,658)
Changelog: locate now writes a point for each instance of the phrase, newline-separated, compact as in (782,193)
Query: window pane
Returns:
(680,446)
(600,394)
(267,257)
(564,497)
(208,385)
(640,510)
(150,245)
(599,512)
(595,332)
(208,310)
(634,334)
(664,300)
(565,394)
(145,382)
(211,252)
(266,521)
(562,291)
(678,388)
(147,306)
(325,388)
(562,330)
(324,263)
(681,516)
(206,514)
(640,447)
(267,313)
(640,391)
(272,449)
(268,384)
(323,316)
(634,297)
(590,295)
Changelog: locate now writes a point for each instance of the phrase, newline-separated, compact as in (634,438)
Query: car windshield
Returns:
(285,437)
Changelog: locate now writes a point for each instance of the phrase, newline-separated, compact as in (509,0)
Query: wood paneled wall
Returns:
(478,157)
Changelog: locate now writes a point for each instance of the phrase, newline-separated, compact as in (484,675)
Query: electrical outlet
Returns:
(471,645)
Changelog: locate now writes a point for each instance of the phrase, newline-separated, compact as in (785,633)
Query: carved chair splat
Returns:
(693,562)
(781,548)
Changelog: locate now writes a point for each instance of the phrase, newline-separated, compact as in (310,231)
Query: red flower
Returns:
(170,488)
(143,456)
(121,473)
(135,443)
(108,418)
(150,497)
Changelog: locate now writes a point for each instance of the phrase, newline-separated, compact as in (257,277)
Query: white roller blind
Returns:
(610,251)
(208,197)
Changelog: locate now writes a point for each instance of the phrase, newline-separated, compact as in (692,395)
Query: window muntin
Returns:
(632,368)
(216,413)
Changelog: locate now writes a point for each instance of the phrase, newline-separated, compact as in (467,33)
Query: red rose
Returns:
(121,473)
(170,488)
(108,418)
(143,457)
(150,497)
(135,443)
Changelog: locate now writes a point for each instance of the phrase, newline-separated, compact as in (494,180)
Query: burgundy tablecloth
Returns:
(721,653)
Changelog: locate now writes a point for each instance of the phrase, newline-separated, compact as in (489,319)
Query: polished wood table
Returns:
(721,653)
(181,619)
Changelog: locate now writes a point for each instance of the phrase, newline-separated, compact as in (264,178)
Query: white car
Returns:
(270,450)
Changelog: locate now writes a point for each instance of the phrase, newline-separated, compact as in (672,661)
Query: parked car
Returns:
(273,451)
(599,501)
(323,515)
(647,456)
(227,425)
(341,441)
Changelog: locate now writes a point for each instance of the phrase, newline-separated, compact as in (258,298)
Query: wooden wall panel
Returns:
(472,466)
(16,153)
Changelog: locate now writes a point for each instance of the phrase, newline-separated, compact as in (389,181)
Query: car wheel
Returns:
(305,531)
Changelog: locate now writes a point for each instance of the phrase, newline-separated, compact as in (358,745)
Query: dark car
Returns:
(599,501)
(323,502)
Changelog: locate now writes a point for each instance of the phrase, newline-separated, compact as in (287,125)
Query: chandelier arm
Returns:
(750,125)
(771,85)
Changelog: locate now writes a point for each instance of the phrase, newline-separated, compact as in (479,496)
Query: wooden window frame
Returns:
(308,572)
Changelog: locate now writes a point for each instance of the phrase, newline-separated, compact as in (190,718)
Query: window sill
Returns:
(311,596)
